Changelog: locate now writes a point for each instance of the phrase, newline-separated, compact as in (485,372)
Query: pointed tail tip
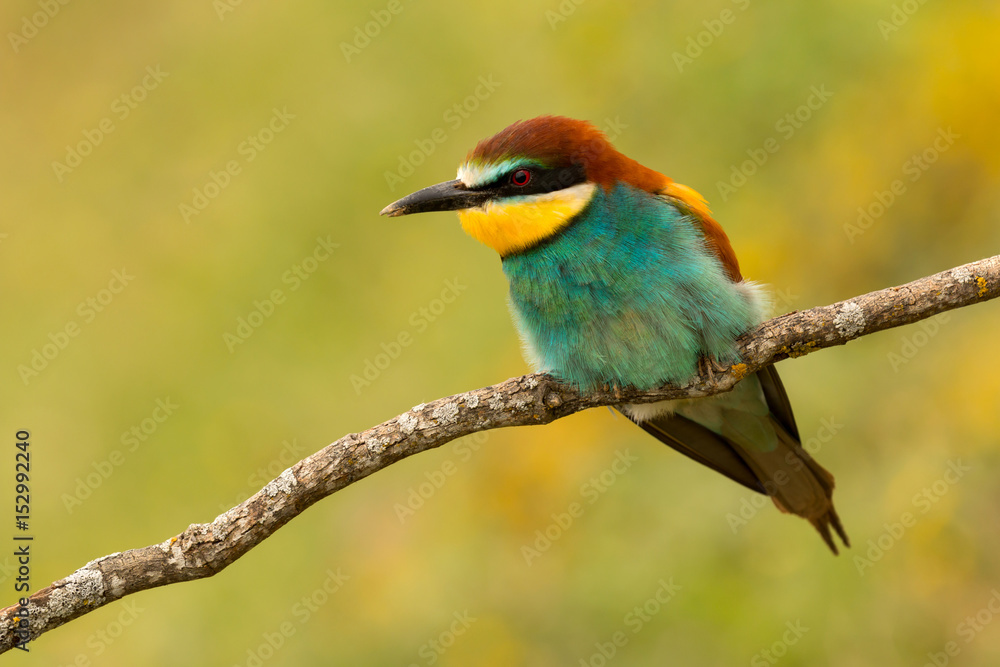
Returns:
(823,523)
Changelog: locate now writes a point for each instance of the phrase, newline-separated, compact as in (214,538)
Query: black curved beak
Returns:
(448,196)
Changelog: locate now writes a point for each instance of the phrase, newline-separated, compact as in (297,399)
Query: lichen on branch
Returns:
(206,548)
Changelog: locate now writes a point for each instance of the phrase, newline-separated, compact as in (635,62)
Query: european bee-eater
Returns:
(621,277)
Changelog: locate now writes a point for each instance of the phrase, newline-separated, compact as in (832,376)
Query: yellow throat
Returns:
(508,227)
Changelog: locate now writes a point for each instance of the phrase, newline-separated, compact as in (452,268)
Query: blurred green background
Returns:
(285,129)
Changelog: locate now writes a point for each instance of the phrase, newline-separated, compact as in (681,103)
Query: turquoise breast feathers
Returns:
(628,294)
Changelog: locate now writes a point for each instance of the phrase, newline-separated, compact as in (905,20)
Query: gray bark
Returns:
(204,549)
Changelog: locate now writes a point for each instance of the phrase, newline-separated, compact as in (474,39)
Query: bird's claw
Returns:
(709,366)
(614,388)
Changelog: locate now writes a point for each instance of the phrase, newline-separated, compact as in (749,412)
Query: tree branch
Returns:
(206,548)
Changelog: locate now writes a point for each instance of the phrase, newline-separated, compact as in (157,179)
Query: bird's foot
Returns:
(709,365)
(617,390)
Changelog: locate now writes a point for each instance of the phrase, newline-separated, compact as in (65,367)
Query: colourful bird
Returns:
(620,277)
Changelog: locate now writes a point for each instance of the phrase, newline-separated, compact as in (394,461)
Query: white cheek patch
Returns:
(473,175)
(469,176)
(576,196)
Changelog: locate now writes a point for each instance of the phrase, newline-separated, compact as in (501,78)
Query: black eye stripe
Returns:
(542,180)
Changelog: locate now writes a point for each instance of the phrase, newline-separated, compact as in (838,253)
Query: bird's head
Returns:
(528,181)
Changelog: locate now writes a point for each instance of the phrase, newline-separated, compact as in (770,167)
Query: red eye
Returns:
(520,177)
